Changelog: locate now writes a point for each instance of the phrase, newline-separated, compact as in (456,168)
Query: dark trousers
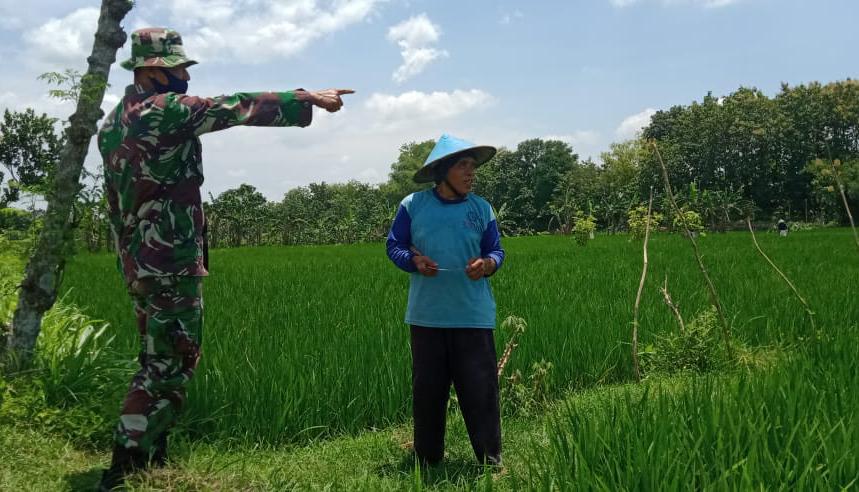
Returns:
(466,357)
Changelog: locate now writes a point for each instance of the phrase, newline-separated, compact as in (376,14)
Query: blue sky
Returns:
(586,71)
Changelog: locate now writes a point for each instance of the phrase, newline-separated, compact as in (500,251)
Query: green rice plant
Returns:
(794,427)
(302,342)
(783,277)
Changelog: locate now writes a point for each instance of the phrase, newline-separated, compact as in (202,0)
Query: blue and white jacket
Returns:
(450,232)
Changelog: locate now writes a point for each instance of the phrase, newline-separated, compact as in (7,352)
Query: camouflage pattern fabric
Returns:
(156,47)
(153,171)
(170,321)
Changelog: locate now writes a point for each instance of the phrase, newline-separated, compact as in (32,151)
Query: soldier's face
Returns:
(148,75)
(180,73)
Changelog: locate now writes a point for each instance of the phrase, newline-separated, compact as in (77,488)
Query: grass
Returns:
(788,426)
(795,427)
(305,376)
(303,342)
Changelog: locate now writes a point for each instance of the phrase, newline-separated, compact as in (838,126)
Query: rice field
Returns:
(795,427)
(302,342)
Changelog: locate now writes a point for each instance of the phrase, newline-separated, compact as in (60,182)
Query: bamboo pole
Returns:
(714,296)
(635,309)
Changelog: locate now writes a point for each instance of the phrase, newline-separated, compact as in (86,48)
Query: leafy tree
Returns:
(619,182)
(243,209)
(13,219)
(547,161)
(29,151)
(755,146)
(411,159)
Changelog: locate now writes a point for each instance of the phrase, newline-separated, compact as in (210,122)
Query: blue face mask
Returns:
(174,84)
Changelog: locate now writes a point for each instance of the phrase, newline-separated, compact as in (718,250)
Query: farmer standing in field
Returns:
(153,171)
(448,239)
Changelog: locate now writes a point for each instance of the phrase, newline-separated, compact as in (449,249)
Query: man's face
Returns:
(461,175)
(158,74)
(147,75)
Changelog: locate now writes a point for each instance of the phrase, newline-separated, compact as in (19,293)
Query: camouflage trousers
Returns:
(170,321)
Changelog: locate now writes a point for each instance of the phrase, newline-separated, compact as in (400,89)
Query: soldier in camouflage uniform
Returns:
(153,171)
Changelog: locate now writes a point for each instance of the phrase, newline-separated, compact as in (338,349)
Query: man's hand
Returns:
(425,265)
(329,99)
(478,268)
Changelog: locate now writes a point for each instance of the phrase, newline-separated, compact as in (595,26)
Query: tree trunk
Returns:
(45,268)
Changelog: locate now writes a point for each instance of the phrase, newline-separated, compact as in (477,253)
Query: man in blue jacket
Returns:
(447,239)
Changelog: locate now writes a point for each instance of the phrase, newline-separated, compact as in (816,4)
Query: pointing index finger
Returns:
(341,92)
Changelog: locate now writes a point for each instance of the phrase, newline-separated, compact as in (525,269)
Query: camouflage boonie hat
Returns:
(156,47)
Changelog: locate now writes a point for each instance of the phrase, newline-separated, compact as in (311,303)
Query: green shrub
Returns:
(75,356)
(637,221)
(584,229)
(521,395)
(76,382)
(14,219)
(693,221)
(698,349)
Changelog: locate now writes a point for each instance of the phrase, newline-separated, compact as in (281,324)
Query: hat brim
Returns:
(482,155)
(170,61)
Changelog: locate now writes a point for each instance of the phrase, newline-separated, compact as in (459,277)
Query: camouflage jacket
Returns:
(153,171)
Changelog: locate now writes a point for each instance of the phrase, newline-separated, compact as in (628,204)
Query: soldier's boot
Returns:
(123,463)
(159,454)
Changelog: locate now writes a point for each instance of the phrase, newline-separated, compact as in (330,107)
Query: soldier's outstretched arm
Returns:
(293,108)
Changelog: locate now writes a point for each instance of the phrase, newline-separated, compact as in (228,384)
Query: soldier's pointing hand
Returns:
(329,99)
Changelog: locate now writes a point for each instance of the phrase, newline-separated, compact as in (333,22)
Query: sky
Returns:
(589,72)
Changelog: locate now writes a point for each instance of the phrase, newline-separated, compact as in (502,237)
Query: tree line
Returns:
(721,154)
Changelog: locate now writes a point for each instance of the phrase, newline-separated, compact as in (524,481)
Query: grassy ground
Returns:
(309,341)
(372,460)
(305,378)
(746,430)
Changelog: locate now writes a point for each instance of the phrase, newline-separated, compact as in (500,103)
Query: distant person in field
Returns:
(153,171)
(447,238)
(782,228)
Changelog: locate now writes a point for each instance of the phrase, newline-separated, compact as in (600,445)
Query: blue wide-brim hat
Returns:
(449,148)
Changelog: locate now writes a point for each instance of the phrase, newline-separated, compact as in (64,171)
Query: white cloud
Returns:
(254,31)
(415,105)
(64,42)
(702,3)
(631,126)
(577,138)
(415,37)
